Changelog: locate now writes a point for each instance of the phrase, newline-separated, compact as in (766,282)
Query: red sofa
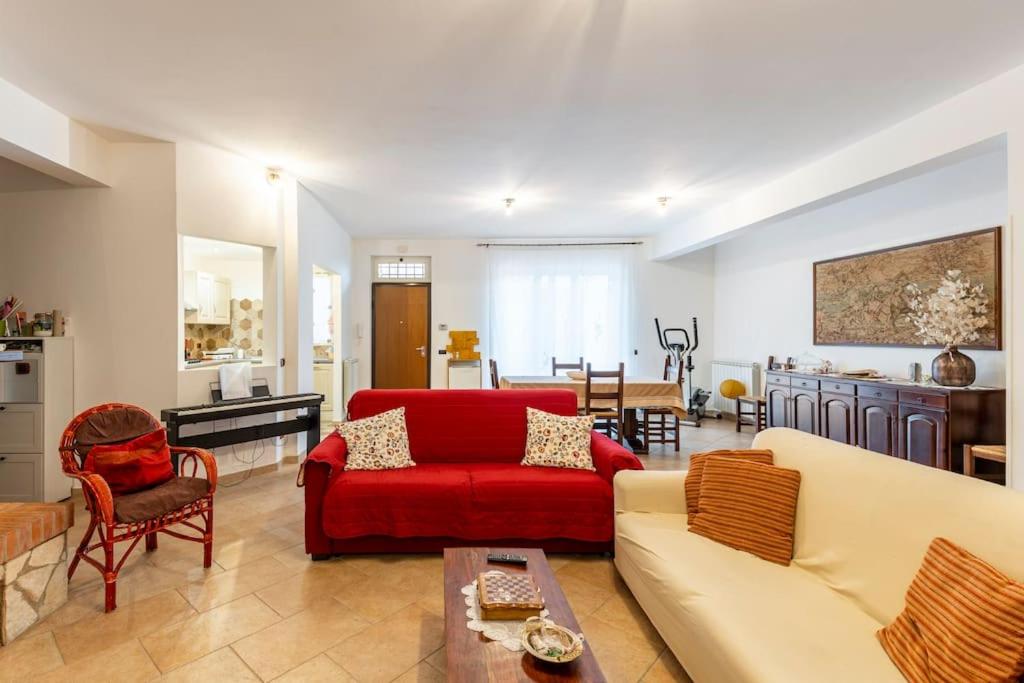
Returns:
(467,487)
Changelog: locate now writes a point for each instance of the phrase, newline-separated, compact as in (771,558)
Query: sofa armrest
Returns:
(322,464)
(651,491)
(609,457)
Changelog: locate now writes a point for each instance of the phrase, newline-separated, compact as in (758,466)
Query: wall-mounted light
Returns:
(509,201)
(273,176)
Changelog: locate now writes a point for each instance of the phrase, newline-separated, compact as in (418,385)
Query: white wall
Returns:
(763,279)
(673,290)
(106,257)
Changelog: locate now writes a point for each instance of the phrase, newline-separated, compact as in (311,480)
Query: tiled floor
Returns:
(265,612)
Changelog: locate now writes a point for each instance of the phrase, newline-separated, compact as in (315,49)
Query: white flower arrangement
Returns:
(951,315)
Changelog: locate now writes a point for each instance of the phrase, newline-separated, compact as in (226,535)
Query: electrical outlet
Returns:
(442,352)
(443,327)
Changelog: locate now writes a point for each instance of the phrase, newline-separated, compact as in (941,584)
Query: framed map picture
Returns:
(862,299)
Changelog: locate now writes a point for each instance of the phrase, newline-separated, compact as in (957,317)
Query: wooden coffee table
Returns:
(473,658)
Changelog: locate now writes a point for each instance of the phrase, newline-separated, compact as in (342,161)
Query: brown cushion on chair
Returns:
(116,425)
(158,501)
(748,506)
(693,476)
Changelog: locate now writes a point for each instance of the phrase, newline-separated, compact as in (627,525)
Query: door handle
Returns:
(422,350)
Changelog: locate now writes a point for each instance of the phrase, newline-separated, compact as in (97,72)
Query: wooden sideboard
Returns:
(926,424)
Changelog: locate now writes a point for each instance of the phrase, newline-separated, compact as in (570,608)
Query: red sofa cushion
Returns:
(471,425)
(471,501)
(142,463)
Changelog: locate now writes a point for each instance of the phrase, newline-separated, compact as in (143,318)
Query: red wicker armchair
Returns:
(130,517)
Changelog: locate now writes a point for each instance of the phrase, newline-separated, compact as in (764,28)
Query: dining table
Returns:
(637,393)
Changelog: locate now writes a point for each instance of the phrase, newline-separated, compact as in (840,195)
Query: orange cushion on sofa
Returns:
(696,471)
(142,463)
(963,621)
(748,506)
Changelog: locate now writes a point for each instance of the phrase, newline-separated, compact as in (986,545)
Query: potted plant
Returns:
(952,315)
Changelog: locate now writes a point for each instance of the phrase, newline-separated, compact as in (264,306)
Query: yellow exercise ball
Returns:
(732,388)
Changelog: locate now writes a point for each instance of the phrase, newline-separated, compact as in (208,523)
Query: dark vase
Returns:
(953,369)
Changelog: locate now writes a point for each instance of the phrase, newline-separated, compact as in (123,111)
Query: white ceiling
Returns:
(417,118)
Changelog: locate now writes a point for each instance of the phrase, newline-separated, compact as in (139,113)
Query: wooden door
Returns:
(877,426)
(923,436)
(401,336)
(805,411)
(778,407)
(839,418)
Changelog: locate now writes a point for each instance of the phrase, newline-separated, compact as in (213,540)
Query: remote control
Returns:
(506,558)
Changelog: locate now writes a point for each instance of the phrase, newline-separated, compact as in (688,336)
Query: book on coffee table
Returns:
(508,596)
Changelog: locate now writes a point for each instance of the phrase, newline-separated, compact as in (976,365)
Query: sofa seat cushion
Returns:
(730,616)
(473,501)
(159,500)
(542,502)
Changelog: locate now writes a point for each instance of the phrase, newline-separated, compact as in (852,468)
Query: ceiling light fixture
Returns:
(663,204)
(273,176)
(509,201)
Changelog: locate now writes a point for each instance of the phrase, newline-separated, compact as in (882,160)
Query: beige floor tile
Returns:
(29,656)
(623,656)
(295,593)
(222,665)
(288,643)
(320,669)
(421,673)
(583,597)
(376,597)
(294,557)
(438,659)
(596,570)
(233,584)
(667,670)
(199,635)
(433,602)
(623,611)
(235,553)
(390,647)
(123,663)
(129,621)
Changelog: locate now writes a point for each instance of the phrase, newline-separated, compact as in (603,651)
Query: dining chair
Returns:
(661,425)
(556,366)
(605,415)
(494,373)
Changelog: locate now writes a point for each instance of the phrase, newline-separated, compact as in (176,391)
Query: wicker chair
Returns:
(130,517)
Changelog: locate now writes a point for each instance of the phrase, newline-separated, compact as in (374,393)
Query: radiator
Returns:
(745,371)
(349,380)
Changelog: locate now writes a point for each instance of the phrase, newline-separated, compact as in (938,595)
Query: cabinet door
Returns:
(876,426)
(204,298)
(221,300)
(923,436)
(839,418)
(778,407)
(805,411)
(21,428)
(323,379)
(21,477)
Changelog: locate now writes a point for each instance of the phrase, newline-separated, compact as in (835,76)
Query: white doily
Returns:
(505,632)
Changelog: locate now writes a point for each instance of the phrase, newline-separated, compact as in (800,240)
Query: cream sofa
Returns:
(863,523)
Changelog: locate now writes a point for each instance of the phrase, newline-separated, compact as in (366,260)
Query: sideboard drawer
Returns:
(921,398)
(882,393)
(780,380)
(804,383)
(21,428)
(833,387)
(21,477)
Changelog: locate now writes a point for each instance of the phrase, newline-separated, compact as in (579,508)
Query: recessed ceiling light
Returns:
(663,204)
(509,201)
(273,176)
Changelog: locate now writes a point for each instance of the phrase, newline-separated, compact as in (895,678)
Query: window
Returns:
(565,302)
(401,268)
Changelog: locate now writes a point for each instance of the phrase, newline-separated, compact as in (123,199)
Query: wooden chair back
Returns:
(667,372)
(556,366)
(616,395)
(494,373)
(108,423)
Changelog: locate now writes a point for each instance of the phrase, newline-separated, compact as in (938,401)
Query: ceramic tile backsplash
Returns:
(245,331)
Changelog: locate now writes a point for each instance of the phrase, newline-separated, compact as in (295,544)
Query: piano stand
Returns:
(175,418)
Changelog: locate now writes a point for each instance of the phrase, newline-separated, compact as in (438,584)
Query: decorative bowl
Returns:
(577,375)
(547,641)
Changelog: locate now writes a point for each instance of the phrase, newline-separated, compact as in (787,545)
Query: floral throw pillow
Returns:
(557,440)
(380,442)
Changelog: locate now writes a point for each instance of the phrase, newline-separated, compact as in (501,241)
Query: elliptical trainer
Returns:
(677,342)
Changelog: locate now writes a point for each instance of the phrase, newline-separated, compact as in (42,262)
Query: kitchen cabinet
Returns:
(323,383)
(209,296)
(926,424)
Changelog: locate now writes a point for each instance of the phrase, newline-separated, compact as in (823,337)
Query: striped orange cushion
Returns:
(696,471)
(963,621)
(748,506)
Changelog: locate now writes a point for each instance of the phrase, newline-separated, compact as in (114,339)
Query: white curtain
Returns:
(564,302)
